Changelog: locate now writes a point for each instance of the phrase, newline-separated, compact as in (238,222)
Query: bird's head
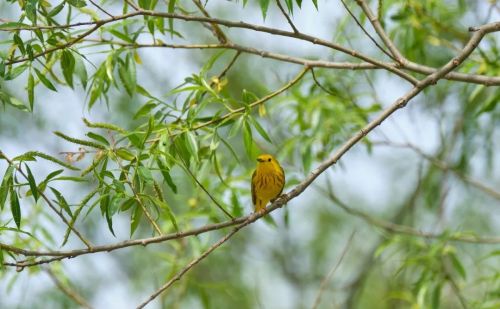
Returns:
(265,159)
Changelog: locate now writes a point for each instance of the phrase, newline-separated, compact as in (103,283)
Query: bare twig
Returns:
(101,9)
(381,32)
(71,293)
(288,19)
(191,264)
(328,277)
(217,32)
(445,167)
(366,32)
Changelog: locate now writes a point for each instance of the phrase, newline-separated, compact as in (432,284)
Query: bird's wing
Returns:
(282,173)
(254,198)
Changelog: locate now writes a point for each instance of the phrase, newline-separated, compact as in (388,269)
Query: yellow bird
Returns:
(268,181)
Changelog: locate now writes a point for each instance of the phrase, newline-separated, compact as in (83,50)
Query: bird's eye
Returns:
(269,160)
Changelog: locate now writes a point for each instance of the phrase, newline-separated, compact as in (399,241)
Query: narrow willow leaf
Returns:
(264,5)
(98,138)
(61,201)
(45,81)
(135,219)
(19,43)
(163,205)
(192,144)
(6,184)
(81,71)
(31,90)
(120,35)
(68,66)
(260,129)
(15,72)
(457,265)
(165,171)
(145,174)
(14,207)
(77,3)
(125,154)
(247,138)
(145,109)
(56,9)
(32,184)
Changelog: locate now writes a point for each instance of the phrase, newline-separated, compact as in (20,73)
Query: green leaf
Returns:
(192,145)
(163,205)
(436,296)
(98,138)
(32,183)
(45,81)
(104,205)
(30,10)
(68,66)
(19,43)
(315,2)
(145,109)
(127,73)
(14,207)
(264,5)
(166,175)
(110,63)
(56,9)
(247,138)
(260,129)
(171,9)
(77,3)
(457,264)
(31,90)
(81,71)
(15,72)
(145,174)
(125,154)
(121,36)
(6,184)
(135,219)
(29,51)
(62,201)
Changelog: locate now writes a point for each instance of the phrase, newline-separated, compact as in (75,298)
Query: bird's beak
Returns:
(260,160)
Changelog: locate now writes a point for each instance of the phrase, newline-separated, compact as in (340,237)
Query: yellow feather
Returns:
(268,181)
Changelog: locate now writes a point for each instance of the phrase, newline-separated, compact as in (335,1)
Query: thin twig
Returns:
(215,29)
(71,293)
(132,4)
(101,9)
(374,20)
(328,277)
(288,19)
(366,32)
(186,167)
(445,167)
(191,264)
(227,23)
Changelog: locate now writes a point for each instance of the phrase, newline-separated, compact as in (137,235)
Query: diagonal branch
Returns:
(479,33)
